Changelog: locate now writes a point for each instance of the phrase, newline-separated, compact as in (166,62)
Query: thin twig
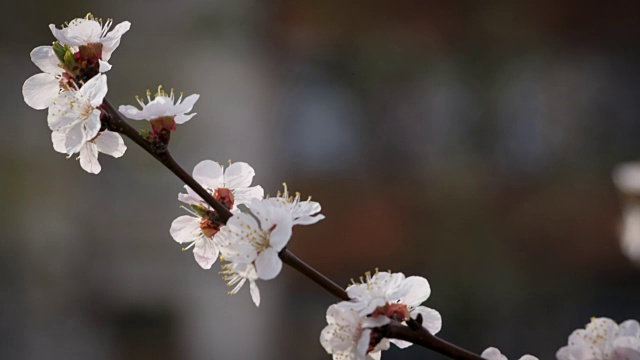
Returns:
(413,333)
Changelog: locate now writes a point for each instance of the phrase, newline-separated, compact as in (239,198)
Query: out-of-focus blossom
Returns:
(626,177)
(106,142)
(302,212)
(76,114)
(495,354)
(395,296)
(236,275)
(630,231)
(230,187)
(348,334)
(603,339)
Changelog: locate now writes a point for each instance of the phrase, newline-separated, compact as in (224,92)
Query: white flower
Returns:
(230,186)
(163,105)
(91,31)
(237,274)
(302,212)
(397,297)
(40,90)
(106,142)
(76,113)
(630,231)
(494,354)
(348,334)
(247,239)
(603,339)
(200,233)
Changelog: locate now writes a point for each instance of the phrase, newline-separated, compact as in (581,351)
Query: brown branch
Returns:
(413,333)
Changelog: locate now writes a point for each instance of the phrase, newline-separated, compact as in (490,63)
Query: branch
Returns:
(414,332)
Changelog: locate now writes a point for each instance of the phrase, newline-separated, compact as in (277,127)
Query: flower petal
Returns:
(185,229)
(493,354)
(110,143)
(89,158)
(112,40)
(46,60)
(268,264)
(131,112)
(255,293)
(205,252)
(95,90)
(246,195)
(186,105)
(181,119)
(58,139)
(209,174)
(238,175)
(416,289)
(431,319)
(40,90)
(104,66)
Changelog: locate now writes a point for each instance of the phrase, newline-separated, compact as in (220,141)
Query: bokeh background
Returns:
(471,143)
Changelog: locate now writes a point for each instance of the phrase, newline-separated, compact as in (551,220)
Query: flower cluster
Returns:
(603,339)
(353,329)
(72,88)
(252,238)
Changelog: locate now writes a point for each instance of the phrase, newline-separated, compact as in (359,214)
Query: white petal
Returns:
(40,90)
(187,104)
(110,143)
(89,158)
(255,293)
(58,138)
(630,328)
(205,252)
(46,60)
(281,234)
(363,343)
(493,354)
(626,348)
(238,175)
(185,229)
(190,197)
(112,40)
(132,112)
(95,90)
(91,126)
(431,319)
(268,264)
(417,290)
(181,119)
(104,66)
(209,174)
(401,343)
(529,357)
(74,139)
(246,195)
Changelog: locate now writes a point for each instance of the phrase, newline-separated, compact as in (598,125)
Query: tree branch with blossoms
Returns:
(231,221)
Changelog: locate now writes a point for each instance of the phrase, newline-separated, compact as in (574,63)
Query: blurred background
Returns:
(471,143)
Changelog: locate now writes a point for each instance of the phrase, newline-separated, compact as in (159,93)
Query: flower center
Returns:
(395,311)
(208,227)
(224,196)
